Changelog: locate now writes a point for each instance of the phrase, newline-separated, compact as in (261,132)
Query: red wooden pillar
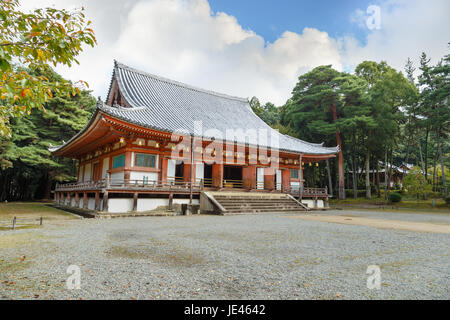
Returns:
(135,201)
(97,200)
(127,168)
(105,201)
(286,179)
(217,175)
(85,200)
(68,199)
(77,199)
(163,172)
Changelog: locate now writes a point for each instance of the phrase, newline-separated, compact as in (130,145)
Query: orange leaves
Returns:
(26,92)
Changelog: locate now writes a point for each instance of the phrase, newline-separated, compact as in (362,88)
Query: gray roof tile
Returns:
(168,105)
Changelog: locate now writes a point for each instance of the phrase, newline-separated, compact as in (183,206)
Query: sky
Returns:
(252,48)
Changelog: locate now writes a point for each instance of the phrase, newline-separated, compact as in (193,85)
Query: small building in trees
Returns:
(156,142)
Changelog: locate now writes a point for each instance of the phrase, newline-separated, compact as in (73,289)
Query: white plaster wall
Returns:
(105,167)
(310,203)
(120,205)
(87,172)
(151,204)
(139,175)
(181,201)
(91,203)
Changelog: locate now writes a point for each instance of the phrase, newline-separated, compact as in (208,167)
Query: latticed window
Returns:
(119,161)
(294,173)
(145,160)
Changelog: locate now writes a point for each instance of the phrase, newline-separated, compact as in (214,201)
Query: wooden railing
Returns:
(230,183)
(129,184)
(308,192)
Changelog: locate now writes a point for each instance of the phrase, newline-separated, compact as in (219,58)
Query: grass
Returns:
(29,213)
(411,205)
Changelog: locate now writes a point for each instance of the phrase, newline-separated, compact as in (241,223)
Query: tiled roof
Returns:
(170,106)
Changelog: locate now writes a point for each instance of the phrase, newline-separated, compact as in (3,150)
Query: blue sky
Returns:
(271,18)
(251,48)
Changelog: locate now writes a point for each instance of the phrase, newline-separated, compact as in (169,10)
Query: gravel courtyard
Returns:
(267,256)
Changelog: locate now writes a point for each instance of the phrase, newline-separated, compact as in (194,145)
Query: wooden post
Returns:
(135,200)
(62,198)
(40,222)
(85,200)
(105,201)
(330,184)
(14,223)
(77,199)
(191,181)
(69,201)
(300,196)
(171,201)
(315,202)
(97,200)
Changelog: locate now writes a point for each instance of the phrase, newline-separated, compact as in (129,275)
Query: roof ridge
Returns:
(178,83)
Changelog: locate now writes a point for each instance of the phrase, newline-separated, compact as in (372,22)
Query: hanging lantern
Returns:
(122,140)
(157,145)
(310,164)
(317,164)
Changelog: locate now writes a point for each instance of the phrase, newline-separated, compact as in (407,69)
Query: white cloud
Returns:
(408,27)
(185,41)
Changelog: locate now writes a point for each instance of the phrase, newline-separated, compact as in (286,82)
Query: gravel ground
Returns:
(267,256)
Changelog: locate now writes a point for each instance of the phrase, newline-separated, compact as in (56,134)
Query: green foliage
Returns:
(28,168)
(447,199)
(29,42)
(395,197)
(415,183)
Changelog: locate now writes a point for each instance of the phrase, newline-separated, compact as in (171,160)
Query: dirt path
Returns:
(379,223)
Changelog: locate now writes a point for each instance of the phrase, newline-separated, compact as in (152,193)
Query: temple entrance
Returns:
(179,172)
(207,175)
(232,177)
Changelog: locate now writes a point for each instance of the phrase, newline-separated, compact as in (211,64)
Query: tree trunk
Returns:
(330,184)
(444,182)
(48,186)
(426,153)
(378,179)
(385,174)
(341,158)
(355,189)
(421,159)
(368,193)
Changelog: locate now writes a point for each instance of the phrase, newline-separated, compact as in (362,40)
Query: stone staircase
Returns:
(248,202)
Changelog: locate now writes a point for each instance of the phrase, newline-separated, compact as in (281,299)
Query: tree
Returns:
(389,92)
(28,168)
(415,183)
(326,102)
(29,42)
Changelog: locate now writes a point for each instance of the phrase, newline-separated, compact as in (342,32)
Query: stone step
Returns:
(262,211)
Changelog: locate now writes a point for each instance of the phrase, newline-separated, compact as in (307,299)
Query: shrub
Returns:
(395,197)
(447,199)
